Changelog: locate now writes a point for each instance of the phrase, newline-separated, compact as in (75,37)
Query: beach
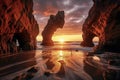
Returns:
(68,61)
(51,59)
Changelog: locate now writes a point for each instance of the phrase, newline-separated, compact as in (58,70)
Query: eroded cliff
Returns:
(103,21)
(17,24)
(55,22)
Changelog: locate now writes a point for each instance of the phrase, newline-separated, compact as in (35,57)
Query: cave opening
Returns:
(95,40)
(22,40)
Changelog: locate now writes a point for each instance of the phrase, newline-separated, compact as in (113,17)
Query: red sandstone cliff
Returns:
(17,23)
(103,21)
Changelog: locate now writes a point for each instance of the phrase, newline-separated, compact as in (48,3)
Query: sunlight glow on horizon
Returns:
(63,38)
(61,41)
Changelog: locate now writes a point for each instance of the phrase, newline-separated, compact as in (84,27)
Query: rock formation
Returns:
(55,22)
(103,21)
(17,23)
(103,66)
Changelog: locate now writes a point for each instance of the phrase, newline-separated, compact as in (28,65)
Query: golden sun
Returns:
(61,41)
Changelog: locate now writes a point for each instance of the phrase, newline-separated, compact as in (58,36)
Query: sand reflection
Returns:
(53,60)
(64,63)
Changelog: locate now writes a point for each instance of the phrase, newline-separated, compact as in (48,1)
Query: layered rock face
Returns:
(55,22)
(17,24)
(103,21)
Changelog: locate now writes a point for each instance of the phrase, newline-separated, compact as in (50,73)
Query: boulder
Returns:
(17,24)
(103,21)
(55,22)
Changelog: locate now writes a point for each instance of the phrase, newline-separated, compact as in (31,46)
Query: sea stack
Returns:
(55,22)
(103,21)
(17,24)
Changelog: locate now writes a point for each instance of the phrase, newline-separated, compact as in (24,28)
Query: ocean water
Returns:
(62,61)
(68,45)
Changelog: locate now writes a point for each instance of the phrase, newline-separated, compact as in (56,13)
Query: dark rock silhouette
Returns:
(98,70)
(27,75)
(55,22)
(17,24)
(50,64)
(103,21)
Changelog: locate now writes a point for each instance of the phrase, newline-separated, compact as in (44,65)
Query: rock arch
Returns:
(55,22)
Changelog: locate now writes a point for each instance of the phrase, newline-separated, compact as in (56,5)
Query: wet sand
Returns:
(49,65)
(54,64)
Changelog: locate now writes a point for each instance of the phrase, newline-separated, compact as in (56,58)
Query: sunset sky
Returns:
(75,13)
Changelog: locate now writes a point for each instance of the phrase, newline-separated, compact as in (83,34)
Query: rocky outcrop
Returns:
(104,66)
(17,24)
(103,21)
(55,22)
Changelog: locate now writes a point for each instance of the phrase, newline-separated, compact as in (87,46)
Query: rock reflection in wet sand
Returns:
(54,65)
(64,65)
